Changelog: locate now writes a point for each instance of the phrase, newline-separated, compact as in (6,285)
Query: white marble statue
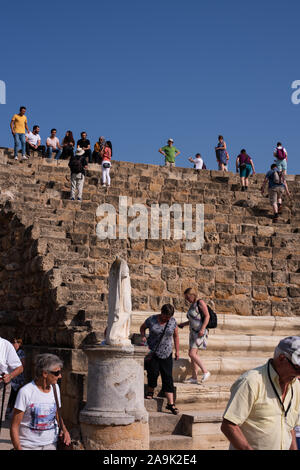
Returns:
(119,305)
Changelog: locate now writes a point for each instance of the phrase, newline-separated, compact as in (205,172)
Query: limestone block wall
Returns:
(54,269)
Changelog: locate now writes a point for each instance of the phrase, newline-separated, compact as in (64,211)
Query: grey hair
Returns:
(45,363)
(278,352)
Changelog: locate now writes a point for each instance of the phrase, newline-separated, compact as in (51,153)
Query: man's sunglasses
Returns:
(56,373)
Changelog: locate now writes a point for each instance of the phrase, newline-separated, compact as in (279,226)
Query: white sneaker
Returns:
(24,157)
(205,377)
(103,184)
(191,381)
(16,158)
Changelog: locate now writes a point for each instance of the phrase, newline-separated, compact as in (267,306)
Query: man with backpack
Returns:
(280,154)
(277,188)
(78,165)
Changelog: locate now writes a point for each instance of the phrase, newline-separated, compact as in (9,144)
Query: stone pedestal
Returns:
(114,416)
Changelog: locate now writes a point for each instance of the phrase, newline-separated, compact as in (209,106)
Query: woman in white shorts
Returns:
(198,333)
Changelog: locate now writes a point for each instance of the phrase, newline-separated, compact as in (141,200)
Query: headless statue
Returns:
(119,305)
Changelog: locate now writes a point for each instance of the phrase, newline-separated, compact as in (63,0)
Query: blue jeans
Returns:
(20,138)
(50,150)
(298,442)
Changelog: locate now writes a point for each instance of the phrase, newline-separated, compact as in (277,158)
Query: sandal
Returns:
(149,395)
(172,408)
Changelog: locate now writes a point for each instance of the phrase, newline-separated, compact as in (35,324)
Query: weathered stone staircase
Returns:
(54,270)
(238,344)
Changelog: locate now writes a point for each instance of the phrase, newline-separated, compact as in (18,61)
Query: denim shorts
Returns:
(281,164)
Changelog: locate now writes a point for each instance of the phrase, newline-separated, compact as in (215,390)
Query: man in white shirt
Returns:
(10,367)
(198,162)
(53,146)
(33,141)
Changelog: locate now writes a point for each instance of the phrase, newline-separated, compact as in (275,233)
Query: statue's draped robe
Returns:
(119,305)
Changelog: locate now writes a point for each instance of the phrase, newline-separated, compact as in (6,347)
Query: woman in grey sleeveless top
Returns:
(198,333)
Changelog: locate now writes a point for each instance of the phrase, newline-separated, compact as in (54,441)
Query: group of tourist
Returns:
(80,155)
(163,330)
(262,412)
(264,407)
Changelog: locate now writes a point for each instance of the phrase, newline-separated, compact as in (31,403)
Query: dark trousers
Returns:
(88,155)
(67,152)
(41,149)
(164,367)
(12,398)
(96,157)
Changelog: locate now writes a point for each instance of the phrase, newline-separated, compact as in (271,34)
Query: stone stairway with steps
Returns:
(190,430)
(238,344)
(248,266)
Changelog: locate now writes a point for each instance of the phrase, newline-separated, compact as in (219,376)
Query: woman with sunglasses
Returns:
(35,420)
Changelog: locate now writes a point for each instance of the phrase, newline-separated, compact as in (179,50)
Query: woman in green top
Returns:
(170,153)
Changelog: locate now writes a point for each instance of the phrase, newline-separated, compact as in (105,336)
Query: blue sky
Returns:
(139,72)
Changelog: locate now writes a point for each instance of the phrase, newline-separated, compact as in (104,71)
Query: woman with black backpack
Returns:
(198,319)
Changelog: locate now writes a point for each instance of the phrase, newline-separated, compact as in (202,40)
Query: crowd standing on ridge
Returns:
(102,154)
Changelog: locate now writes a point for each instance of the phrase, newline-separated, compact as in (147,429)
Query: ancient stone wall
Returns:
(54,269)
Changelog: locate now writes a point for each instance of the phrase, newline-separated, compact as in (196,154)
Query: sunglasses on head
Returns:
(56,373)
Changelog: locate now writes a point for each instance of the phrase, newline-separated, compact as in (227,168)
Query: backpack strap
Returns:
(57,407)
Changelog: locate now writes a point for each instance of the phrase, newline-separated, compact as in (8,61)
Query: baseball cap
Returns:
(170,140)
(291,347)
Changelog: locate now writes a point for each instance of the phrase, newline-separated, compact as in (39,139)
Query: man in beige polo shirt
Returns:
(263,409)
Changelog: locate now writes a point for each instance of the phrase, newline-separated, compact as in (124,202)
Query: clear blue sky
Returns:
(141,71)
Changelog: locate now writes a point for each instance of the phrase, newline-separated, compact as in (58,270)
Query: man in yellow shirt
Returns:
(263,409)
(18,125)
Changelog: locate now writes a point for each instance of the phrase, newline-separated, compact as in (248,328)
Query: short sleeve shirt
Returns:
(9,360)
(54,142)
(38,426)
(20,122)
(33,139)
(255,408)
(83,143)
(155,331)
(269,176)
(198,163)
(170,153)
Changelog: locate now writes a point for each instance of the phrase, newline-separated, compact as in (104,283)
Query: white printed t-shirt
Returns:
(9,359)
(38,426)
(33,139)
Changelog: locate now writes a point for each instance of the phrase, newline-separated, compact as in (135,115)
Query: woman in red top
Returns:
(106,163)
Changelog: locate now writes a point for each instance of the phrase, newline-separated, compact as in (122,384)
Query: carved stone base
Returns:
(115,414)
(134,436)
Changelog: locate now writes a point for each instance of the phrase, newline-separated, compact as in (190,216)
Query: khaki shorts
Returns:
(275,194)
(170,164)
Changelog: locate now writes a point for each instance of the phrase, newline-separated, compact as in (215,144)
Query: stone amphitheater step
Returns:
(171,442)
(192,429)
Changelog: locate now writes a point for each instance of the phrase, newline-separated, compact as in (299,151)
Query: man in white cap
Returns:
(78,165)
(170,153)
(263,409)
